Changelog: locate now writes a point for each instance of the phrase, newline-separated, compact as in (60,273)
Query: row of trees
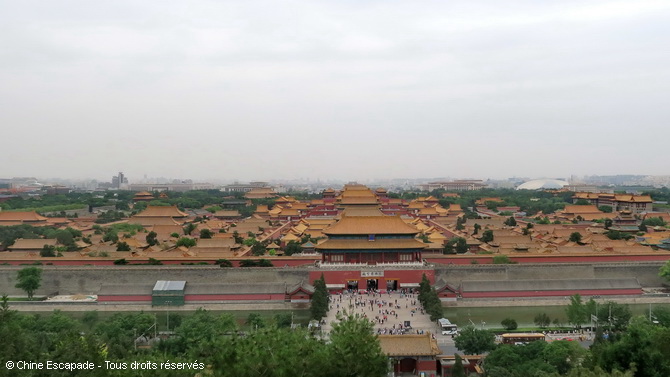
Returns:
(213,341)
(429,299)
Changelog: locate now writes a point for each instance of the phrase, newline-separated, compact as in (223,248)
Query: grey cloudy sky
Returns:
(334,89)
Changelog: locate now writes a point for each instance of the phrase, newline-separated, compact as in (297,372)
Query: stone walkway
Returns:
(387,311)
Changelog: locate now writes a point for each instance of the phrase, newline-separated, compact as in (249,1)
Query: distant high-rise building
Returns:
(119,180)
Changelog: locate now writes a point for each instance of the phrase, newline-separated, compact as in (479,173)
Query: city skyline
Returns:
(351,91)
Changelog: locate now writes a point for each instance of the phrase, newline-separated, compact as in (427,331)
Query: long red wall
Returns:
(563,293)
(107,262)
(270,297)
(488,259)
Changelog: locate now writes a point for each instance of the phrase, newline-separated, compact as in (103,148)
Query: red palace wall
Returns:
(292,262)
(488,259)
(265,297)
(427,366)
(402,276)
(566,293)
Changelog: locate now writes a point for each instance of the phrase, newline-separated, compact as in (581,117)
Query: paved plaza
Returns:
(389,312)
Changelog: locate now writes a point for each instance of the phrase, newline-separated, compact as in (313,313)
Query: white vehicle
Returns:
(447,327)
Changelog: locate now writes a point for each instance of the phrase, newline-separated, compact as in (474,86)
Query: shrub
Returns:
(509,324)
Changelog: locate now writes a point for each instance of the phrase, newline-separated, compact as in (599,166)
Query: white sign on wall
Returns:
(372,274)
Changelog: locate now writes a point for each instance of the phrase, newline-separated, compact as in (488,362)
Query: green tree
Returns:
(292,247)
(509,324)
(461,245)
(48,251)
(606,209)
(122,246)
(29,279)
(473,341)
(608,223)
(205,233)
(255,321)
(187,242)
(449,246)
(283,320)
(511,221)
(258,249)
(352,341)
(224,263)
(319,302)
(576,311)
(575,237)
(487,236)
(644,346)
(238,239)
(458,370)
(189,228)
(477,228)
(542,320)
(614,316)
(152,238)
(502,259)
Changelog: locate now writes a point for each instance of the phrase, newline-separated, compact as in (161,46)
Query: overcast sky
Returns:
(258,90)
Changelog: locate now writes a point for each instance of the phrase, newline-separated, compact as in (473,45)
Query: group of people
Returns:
(383,309)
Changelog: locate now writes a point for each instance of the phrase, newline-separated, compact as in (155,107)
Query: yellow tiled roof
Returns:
(409,345)
(371,225)
(336,244)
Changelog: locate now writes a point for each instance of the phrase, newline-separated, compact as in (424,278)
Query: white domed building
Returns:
(543,184)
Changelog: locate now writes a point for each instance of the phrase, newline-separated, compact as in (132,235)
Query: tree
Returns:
(542,320)
(614,316)
(608,223)
(238,239)
(189,228)
(644,347)
(351,342)
(461,245)
(319,302)
(224,263)
(122,246)
(458,370)
(473,341)
(64,237)
(205,233)
(48,251)
(487,236)
(110,236)
(283,320)
(575,237)
(292,247)
(576,311)
(187,242)
(258,249)
(255,321)
(449,247)
(29,279)
(511,221)
(152,238)
(509,324)
(502,259)
(477,227)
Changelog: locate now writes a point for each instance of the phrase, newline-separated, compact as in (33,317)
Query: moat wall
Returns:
(89,279)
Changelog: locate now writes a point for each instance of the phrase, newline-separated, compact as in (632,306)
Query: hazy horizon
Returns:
(261,90)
